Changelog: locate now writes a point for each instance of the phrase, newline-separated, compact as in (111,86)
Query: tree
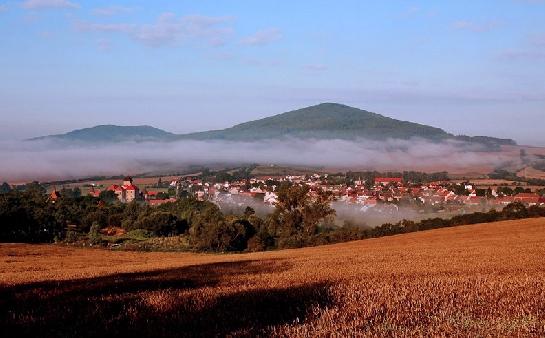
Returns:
(131,213)
(94,234)
(95,217)
(107,196)
(161,223)
(35,187)
(5,188)
(507,191)
(489,193)
(76,192)
(71,193)
(27,216)
(230,234)
(481,192)
(249,211)
(519,190)
(297,216)
(514,211)
(162,195)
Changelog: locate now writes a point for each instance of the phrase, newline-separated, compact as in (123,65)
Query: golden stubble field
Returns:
(478,280)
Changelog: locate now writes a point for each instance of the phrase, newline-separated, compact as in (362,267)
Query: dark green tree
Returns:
(5,188)
(297,215)
(107,196)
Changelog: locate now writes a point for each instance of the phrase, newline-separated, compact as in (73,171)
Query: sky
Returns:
(469,67)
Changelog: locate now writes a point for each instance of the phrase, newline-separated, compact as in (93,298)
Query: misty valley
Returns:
(231,168)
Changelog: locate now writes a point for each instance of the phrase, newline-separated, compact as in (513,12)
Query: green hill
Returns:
(111,133)
(324,121)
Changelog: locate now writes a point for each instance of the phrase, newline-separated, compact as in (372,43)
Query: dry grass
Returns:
(530,172)
(478,280)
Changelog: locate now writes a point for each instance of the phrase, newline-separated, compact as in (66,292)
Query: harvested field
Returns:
(143,181)
(530,172)
(477,280)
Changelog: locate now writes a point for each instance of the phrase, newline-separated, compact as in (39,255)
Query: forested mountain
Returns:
(322,121)
(111,133)
(326,120)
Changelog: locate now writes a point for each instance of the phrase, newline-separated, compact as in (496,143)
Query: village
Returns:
(379,196)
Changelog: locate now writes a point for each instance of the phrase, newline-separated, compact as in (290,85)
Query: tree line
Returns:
(299,219)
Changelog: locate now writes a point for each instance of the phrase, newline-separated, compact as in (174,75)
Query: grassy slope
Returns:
(470,280)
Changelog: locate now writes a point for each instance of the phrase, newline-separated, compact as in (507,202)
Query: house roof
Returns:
(388,179)
(527,195)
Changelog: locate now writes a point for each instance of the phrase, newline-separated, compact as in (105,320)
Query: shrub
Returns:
(139,234)
(72,236)
(161,223)
(94,234)
(231,234)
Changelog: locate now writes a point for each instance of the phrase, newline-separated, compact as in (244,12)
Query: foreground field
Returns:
(485,279)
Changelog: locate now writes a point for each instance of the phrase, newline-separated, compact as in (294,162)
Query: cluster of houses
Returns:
(385,193)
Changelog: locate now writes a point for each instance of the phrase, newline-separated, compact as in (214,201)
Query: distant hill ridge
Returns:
(112,133)
(322,121)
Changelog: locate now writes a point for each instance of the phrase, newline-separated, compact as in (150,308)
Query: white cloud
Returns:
(262,37)
(45,4)
(3,8)
(475,27)
(169,29)
(112,10)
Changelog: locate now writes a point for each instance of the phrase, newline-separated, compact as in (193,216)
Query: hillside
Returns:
(477,280)
(111,133)
(323,121)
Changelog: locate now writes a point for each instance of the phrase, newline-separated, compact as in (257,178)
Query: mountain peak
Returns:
(327,120)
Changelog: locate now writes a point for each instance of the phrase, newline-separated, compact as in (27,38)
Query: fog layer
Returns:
(44,160)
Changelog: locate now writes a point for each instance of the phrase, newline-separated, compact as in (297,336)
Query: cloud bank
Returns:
(44,160)
(262,37)
(46,4)
(169,28)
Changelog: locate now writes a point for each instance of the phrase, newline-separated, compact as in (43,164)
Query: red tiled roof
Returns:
(94,193)
(526,195)
(388,179)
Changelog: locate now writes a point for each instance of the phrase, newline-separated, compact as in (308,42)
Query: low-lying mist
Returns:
(345,213)
(49,160)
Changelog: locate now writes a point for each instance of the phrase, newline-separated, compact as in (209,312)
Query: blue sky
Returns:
(472,67)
